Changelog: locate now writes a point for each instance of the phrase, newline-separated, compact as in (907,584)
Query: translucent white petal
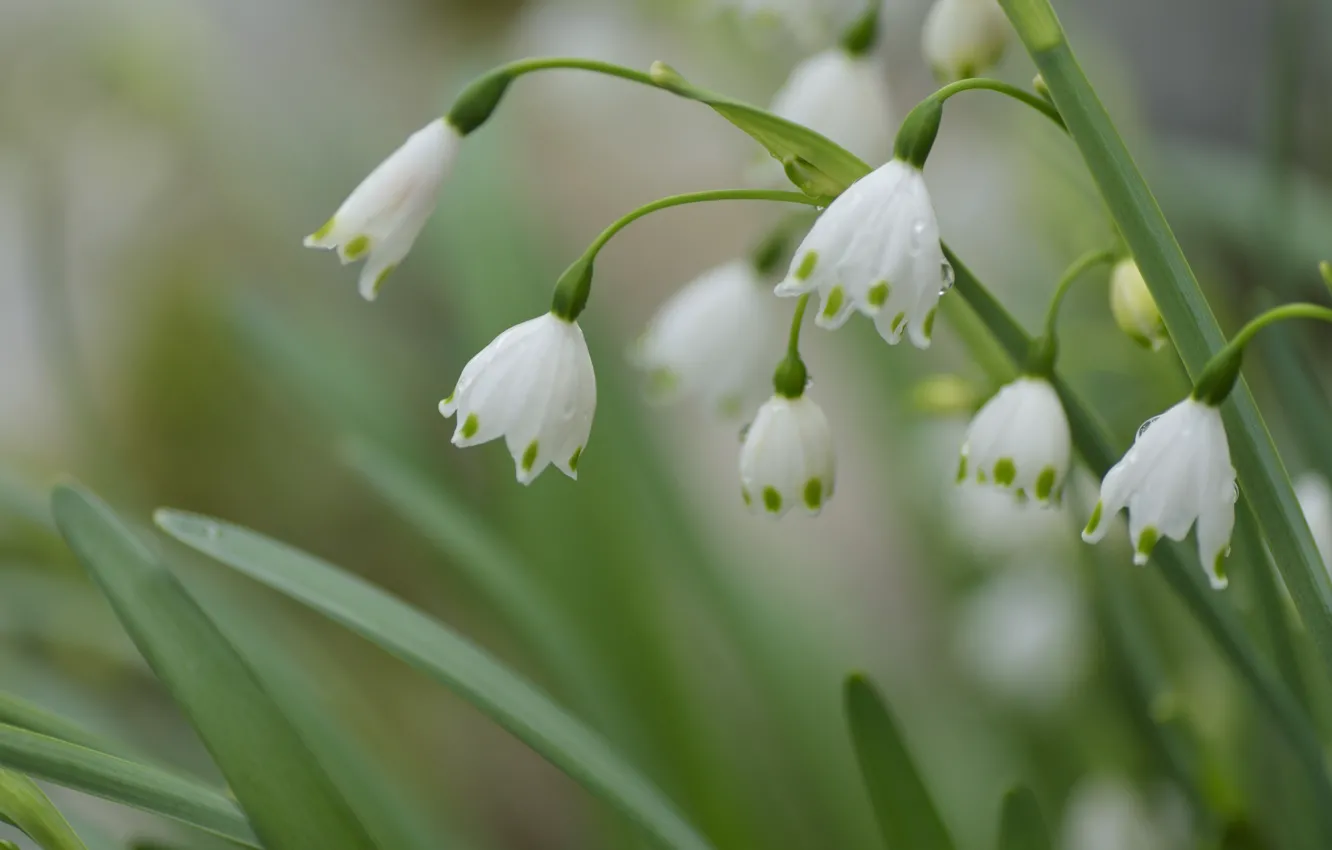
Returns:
(963,38)
(787,458)
(843,97)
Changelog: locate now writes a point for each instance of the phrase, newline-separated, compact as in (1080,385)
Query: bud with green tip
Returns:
(1134,309)
(964,38)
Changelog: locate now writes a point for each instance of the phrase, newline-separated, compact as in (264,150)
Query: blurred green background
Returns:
(167,340)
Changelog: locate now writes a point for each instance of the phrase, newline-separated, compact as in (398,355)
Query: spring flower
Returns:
(964,38)
(382,217)
(845,98)
(716,339)
(1134,308)
(1020,440)
(1316,502)
(787,458)
(810,21)
(534,386)
(1177,471)
(876,250)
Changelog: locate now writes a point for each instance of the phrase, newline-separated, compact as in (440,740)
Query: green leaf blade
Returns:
(435,650)
(288,799)
(908,819)
(23,804)
(1021,824)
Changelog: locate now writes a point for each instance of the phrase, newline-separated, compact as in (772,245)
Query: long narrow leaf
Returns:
(130,783)
(1021,825)
(289,800)
(23,804)
(25,715)
(907,816)
(434,649)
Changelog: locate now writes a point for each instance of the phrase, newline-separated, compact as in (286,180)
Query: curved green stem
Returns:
(791,376)
(1080,266)
(575,285)
(513,70)
(1218,377)
(1035,101)
(793,344)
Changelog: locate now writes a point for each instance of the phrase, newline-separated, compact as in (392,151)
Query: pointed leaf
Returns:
(907,816)
(1021,826)
(289,800)
(434,649)
(25,715)
(130,783)
(24,805)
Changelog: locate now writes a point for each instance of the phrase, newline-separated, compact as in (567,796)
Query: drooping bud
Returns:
(1134,309)
(964,38)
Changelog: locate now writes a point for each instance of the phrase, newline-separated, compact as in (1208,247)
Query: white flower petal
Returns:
(787,458)
(1020,440)
(843,97)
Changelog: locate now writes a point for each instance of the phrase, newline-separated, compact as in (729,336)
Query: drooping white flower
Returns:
(876,250)
(1316,501)
(787,458)
(533,385)
(811,22)
(716,338)
(1105,812)
(382,217)
(964,38)
(1177,471)
(845,98)
(1020,440)
(1133,307)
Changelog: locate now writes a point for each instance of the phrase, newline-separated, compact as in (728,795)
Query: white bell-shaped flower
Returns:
(964,38)
(1316,502)
(787,458)
(876,250)
(716,339)
(845,98)
(1134,308)
(1020,440)
(1177,471)
(533,385)
(382,217)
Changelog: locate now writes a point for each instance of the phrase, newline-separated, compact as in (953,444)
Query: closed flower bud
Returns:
(964,38)
(534,386)
(787,459)
(380,220)
(1134,308)
(1178,471)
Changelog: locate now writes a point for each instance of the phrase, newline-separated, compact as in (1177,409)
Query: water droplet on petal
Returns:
(946,277)
(917,241)
(744,431)
(1143,429)
(1231,494)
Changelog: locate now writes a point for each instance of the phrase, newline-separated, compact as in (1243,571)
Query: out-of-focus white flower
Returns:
(533,385)
(787,458)
(876,249)
(1107,813)
(811,22)
(382,217)
(716,338)
(1133,307)
(1177,471)
(1020,440)
(1316,501)
(1022,636)
(845,98)
(964,38)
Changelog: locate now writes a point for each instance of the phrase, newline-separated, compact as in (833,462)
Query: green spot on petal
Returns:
(833,302)
(573,459)
(451,397)
(878,294)
(772,500)
(961,469)
(1045,484)
(1095,521)
(1219,569)
(744,494)
(928,327)
(898,321)
(1147,542)
(981,476)
(1020,495)
(530,456)
(318,235)
(1005,472)
(470,427)
(356,248)
(807,265)
(662,383)
(383,276)
(814,494)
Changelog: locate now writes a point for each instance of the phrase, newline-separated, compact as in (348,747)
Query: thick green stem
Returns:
(1035,101)
(575,285)
(1187,314)
(1080,266)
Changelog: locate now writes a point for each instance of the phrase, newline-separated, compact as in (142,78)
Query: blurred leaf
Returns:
(908,819)
(119,780)
(434,649)
(287,797)
(1021,825)
(24,715)
(17,498)
(24,805)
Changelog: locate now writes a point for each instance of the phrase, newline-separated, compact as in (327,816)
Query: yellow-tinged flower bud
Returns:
(1134,308)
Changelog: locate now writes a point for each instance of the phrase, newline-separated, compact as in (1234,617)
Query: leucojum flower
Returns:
(876,251)
(964,38)
(716,339)
(382,217)
(533,385)
(1020,440)
(1178,472)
